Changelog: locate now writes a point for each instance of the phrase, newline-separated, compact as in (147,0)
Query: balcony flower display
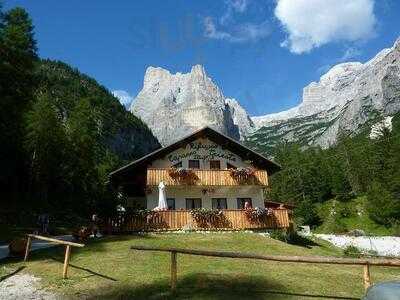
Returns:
(258,214)
(205,217)
(184,175)
(242,174)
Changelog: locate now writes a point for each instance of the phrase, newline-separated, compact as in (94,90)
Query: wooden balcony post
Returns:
(173,270)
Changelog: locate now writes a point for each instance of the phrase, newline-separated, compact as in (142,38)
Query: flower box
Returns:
(187,176)
(242,174)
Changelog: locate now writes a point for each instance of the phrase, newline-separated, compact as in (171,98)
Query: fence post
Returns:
(173,271)
(367,277)
(28,247)
(66,260)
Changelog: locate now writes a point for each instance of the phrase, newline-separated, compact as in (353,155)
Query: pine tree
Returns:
(17,58)
(46,144)
(1,17)
(382,206)
(84,134)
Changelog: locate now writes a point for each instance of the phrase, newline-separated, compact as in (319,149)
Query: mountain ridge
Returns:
(344,98)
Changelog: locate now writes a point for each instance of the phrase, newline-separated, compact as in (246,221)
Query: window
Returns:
(219,203)
(230,166)
(171,203)
(177,165)
(215,164)
(192,203)
(242,201)
(194,164)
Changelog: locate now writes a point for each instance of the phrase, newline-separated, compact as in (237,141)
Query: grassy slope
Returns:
(108,269)
(352,220)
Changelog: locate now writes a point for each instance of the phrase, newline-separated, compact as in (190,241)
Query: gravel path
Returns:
(24,286)
(382,245)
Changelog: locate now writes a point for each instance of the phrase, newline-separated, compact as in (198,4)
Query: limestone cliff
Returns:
(174,105)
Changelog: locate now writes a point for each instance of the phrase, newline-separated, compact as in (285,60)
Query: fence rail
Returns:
(67,245)
(231,219)
(277,258)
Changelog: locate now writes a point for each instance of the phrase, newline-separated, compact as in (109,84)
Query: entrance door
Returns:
(192,203)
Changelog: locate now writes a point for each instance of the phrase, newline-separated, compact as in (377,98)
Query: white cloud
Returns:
(233,6)
(226,28)
(123,97)
(239,33)
(210,30)
(238,5)
(350,53)
(313,23)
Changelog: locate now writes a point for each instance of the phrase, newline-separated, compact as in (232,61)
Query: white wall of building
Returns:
(231,193)
(203,150)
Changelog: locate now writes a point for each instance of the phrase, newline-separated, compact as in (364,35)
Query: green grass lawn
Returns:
(108,269)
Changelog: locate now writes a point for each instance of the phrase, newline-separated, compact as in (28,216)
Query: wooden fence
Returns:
(278,258)
(67,244)
(230,219)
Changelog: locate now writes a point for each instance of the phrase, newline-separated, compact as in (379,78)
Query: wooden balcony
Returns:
(205,177)
(232,219)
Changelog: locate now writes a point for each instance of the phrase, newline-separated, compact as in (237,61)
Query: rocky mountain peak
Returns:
(397,44)
(173,105)
(344,99)
(198,70)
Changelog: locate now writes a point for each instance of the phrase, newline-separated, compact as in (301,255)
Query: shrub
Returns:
(395,227)
(290,237)
(305,213)
(332,213)
(334,224)
(352,251)
(381,206)
(278,234)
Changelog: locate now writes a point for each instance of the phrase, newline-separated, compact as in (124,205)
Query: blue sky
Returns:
(260,52)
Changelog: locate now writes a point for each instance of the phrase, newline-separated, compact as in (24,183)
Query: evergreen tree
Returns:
(1,17)
(83,131)
(382,207)
(46,144)
(61,132)
(17,57)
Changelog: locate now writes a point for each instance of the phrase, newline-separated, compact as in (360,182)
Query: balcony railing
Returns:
(232,219)
(206,178)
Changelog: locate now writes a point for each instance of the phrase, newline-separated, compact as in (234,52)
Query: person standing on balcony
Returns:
(247,205)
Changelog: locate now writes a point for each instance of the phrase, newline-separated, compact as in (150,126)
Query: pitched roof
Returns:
(215,136)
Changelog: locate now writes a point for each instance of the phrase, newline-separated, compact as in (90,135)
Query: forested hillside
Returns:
(355,166)
(61,132)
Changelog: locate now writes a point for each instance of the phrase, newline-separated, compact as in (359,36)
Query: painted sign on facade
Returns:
(202,151)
